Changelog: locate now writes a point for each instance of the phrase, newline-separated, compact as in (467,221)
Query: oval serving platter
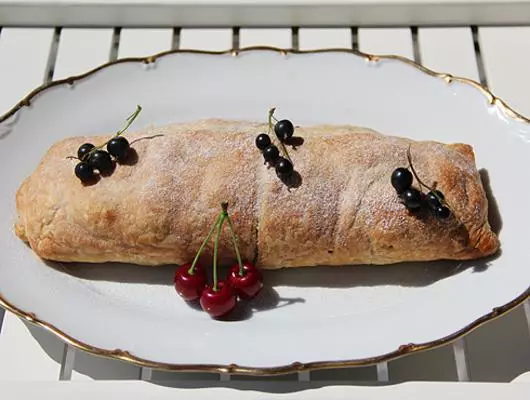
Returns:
(306,318)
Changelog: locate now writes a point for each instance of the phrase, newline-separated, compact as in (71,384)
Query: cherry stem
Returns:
(191,270)
(216,248)
(234,239)
(271,117)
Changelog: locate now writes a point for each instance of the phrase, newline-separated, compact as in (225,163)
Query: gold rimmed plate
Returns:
(305,318)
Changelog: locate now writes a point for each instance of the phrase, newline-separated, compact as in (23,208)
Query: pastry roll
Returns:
(340,210)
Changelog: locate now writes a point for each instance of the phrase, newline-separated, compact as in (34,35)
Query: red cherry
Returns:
(218,302)
(249,284)
(190,286)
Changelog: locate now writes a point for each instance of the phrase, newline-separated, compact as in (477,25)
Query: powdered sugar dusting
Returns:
(345,210)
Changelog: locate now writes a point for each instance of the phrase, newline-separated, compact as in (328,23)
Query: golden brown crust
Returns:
(344,211)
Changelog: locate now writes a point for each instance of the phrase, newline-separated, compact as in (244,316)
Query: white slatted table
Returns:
(496,352)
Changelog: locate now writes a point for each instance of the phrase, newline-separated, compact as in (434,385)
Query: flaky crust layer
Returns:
(341,210)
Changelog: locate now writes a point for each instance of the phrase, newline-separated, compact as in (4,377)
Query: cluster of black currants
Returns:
(413,199)
(92,158)
(284,130)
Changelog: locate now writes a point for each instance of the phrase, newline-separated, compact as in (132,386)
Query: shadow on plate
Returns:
(404,274)
(267,299)
(7,126)
(494,215)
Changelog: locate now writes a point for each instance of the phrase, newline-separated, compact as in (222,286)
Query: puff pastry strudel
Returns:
(341,211)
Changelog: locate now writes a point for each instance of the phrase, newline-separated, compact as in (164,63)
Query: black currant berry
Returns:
(83,150)
(284,166)
(433,201)
(442,212)
(263,141)
(412,199)
(271,153)
(101,161)
(84,172)
(119,148)
(284,129)
(401,179)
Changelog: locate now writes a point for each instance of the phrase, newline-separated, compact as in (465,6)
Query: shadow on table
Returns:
(2,312)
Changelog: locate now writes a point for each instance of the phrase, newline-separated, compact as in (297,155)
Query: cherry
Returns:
(190,282)
(246,280)
(218,301)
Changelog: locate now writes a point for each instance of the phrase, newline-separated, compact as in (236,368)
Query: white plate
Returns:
(311,317)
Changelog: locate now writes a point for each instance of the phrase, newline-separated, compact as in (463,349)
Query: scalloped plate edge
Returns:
(294,367)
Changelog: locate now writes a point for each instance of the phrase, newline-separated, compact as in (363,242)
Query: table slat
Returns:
(91,367)
(258,390)
(499,351)
(386,41)
(81,50)
(206,39)
(265,37)
(144,42)
(507,62)
(434,49)
(23,62)
(23,66)
(315,38)
(449,50)
(262,12)
(28,353)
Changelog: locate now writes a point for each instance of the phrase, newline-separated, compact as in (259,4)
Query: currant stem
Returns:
(191,270)
(234,240)
(216,248)
(432,190)
(271,117)
(128,122)
(409,158)
(130,119)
